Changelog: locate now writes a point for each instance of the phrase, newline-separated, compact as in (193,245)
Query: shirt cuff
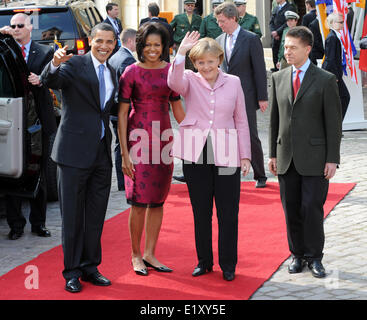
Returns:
(53,68)
(179,58)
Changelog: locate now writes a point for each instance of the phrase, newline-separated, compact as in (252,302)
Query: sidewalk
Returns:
(345,253)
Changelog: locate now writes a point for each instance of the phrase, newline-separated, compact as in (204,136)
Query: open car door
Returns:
(20,129)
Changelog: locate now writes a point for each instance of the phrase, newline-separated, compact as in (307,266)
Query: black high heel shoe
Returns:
(159,269)
(198,271)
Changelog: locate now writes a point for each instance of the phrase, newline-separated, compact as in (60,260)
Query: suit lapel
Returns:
(288,79)
(91,74)
(240,42)
(32,56)
(307,81)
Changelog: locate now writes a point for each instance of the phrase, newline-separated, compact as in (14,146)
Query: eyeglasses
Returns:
(341,22)
(19,25)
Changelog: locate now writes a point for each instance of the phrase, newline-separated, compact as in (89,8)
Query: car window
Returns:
(83,20)
(6,89)
(96,14)
(92,19)
(48,24)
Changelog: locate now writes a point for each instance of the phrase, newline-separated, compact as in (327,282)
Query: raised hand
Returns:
(60,56)
(188,42)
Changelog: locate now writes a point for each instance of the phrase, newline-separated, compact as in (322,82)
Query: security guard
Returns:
(292,20)
(185,22)
(247,21)
(209,26)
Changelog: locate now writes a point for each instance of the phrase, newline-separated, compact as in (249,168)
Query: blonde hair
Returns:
(332,17)
(204,46)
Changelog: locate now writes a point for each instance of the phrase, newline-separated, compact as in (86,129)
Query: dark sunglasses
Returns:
(20,26)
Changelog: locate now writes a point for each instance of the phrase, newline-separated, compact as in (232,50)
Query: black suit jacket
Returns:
(247,62)
(333,55)
(306,129)
(142,21)
(308,18)
(39,56)
(277,21)
(119,61)
(78,136)
(317,51)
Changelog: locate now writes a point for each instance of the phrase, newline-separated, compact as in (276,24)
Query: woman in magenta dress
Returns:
(146,161)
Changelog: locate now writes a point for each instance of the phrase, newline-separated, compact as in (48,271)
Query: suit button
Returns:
(212,93)
(212,101)
(211,122)
(211,111)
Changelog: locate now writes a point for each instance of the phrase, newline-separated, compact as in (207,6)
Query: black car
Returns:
(56,24)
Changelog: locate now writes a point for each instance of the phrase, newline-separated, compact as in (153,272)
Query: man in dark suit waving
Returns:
(82,151)
(36,56)
(244,57)
(304,147)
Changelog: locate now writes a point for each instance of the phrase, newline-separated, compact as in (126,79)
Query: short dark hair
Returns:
(311,3)
(153,8)
(302,33)
(102,27)
(228,9)
(152,28)
(110,5)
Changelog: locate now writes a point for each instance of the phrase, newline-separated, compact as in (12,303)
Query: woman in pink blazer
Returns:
(214,143)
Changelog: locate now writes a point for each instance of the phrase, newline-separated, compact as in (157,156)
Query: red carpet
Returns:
(262,249)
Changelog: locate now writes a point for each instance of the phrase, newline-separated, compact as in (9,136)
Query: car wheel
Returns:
(52,190)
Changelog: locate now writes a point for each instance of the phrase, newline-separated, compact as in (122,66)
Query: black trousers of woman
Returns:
(207,182)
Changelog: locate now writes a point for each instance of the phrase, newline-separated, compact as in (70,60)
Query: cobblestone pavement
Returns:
(345,253)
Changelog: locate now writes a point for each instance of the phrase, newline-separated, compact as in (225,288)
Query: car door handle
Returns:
(4,127)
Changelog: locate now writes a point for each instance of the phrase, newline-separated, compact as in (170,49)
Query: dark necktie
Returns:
(23,52)
(102,92)
(296,83)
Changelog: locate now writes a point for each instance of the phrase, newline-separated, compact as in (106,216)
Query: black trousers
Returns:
(275,45)
(257,155)
(344,97)
(83,195)
(303,198)
(206,181)
(38,205)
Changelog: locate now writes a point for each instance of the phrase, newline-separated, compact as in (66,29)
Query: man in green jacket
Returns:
(185,22)
(209,26)
(247,21)
(304,147)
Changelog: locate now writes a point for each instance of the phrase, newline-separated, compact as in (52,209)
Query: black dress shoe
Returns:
(15,234)
(198,271)
(179,178)
(317,269)
(41,231)
(73,285)
(97,279)
(159,269)
(260,184)
(296,266)
(227,275)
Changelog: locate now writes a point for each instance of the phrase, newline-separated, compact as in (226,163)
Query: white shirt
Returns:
(26,49)
(303,70)
(107,77)
(234,37)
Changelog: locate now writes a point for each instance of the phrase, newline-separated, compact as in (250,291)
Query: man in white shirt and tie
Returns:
(82,151)
(304,147)
(112,10)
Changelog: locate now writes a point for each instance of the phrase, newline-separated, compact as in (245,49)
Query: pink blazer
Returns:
(218,111)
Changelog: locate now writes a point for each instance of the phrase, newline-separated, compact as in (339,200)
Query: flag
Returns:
(349,48)
(363,52)
(324,7)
